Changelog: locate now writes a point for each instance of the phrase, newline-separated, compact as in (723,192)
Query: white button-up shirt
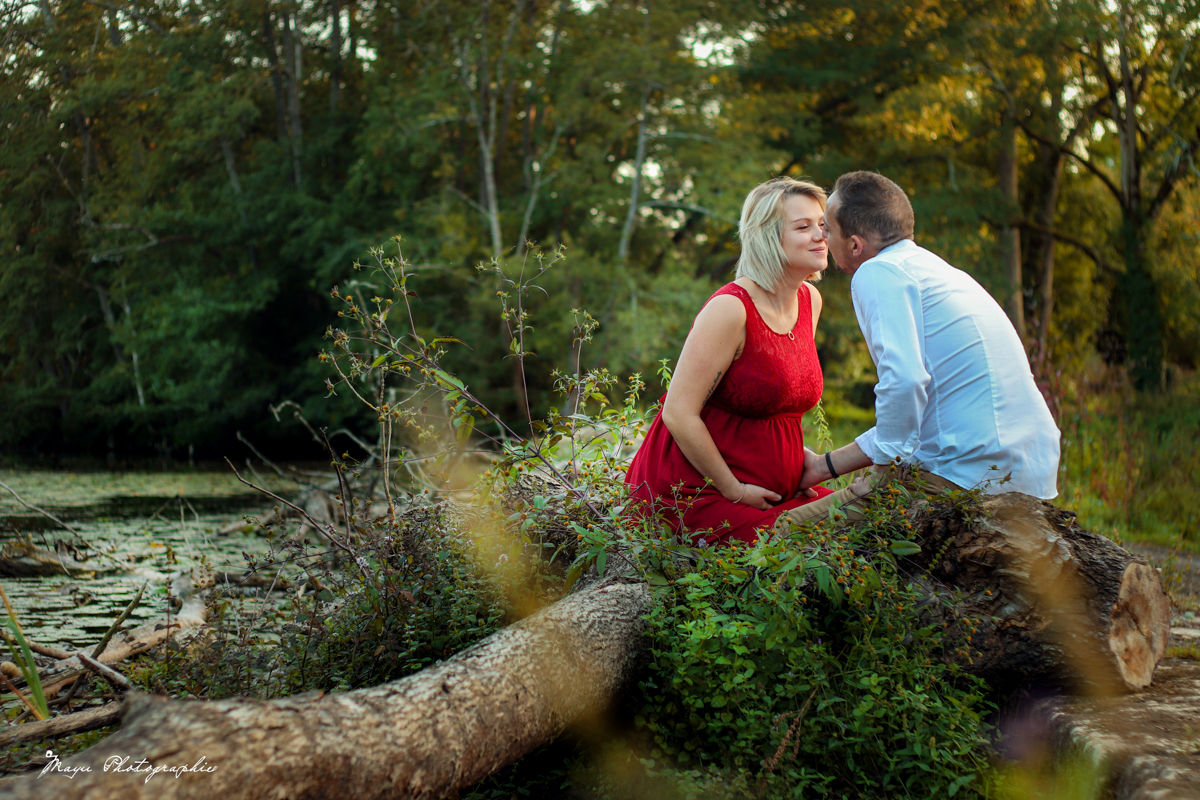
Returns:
(955,392)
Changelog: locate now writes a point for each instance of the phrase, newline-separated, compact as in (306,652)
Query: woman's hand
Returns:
(755,497)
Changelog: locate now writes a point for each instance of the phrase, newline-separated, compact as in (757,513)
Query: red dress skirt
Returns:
(754,418)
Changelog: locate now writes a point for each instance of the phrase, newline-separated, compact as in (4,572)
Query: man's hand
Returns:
(846,460)
(864,482)
(814,472)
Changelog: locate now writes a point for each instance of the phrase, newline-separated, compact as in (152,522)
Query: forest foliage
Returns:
(181,181)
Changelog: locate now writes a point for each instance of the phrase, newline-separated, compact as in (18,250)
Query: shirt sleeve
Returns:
(866,443)
(887,303)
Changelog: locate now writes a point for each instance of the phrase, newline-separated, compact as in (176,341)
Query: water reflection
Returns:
(149,524)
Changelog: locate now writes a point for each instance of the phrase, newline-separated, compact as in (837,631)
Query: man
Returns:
(955,393)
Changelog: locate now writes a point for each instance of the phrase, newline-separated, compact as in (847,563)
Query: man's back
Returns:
(955,391)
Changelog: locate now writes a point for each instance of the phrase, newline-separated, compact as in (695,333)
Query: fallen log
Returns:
(1047,599)
(428,735)
(78,722)
(26,560)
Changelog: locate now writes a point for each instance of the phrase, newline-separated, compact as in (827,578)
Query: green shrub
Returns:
(804,665)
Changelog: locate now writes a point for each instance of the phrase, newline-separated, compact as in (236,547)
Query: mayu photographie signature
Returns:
(125,764)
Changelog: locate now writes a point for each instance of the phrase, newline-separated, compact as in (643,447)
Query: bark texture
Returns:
(1050,602)
(428,735)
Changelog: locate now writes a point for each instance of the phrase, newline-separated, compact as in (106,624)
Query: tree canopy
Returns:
(182,181)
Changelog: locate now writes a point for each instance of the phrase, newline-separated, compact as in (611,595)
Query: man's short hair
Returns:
(761,229)
(873,207)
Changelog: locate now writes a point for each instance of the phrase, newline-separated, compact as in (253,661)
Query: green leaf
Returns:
(655,579)
(601,562)
(905,548)
(448,378)
(572,576)
(464,430)
(379,361)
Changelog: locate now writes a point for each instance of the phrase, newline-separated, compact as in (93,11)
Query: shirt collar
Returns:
(903,244)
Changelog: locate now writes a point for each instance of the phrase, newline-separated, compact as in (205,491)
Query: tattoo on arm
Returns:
(713,388)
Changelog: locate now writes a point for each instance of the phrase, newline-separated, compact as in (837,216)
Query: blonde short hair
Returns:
(761,229)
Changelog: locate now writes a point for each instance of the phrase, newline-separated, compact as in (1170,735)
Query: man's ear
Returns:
(859,245)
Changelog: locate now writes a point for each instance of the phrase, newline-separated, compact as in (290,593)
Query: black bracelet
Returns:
(829,463)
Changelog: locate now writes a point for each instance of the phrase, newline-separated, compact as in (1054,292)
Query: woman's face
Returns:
(804,241)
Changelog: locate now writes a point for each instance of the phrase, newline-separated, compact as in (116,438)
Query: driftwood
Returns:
(1049,602)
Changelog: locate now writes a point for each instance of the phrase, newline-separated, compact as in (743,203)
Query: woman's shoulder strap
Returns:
(735,290)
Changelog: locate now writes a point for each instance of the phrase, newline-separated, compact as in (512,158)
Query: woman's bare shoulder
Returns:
(722,311)
(815,296)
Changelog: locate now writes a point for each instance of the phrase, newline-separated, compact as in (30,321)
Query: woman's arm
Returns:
(717,336)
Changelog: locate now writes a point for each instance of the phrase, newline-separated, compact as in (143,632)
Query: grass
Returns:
(1130,463)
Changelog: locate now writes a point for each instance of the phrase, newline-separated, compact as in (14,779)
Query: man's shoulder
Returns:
(908,260)
(893,263)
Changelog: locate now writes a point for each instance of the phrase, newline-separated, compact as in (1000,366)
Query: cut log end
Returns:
(1055,603)
(1140,625)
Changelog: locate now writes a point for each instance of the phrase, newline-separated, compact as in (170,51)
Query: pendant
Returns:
(791,336)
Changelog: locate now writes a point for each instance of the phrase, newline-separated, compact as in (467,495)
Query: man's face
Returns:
(839,246)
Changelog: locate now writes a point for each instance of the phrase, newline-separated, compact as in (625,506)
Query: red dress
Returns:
(754,418)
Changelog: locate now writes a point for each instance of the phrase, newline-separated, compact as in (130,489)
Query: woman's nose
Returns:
(821,233)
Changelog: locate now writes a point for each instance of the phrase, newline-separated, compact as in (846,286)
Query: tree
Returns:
(1154,115)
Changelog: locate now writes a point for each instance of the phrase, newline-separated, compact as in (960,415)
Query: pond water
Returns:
(149,525)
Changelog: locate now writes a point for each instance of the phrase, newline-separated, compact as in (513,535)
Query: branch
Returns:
(686,207)
(1152,142)
(1182,167)
(430,124)
(104,640)
(1090,251)
(118,253)
(109,674)
(41,511)
(326,532)
(998,84)
(263,458)
(696,136)
(131,12)
(472,203)
(1086,162)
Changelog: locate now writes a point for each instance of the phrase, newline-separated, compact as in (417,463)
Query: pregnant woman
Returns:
(725,455)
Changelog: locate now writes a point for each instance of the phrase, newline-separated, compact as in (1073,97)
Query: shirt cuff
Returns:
(866,443)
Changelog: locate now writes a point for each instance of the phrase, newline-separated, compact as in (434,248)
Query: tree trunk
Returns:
(234,181)
(335,56)
(114,30)
(1050,602)
(635,187)
(292,58)
(1144,330)
(276,79)
(1010,234)
(1140,296)
(428,735)
(1051,160)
